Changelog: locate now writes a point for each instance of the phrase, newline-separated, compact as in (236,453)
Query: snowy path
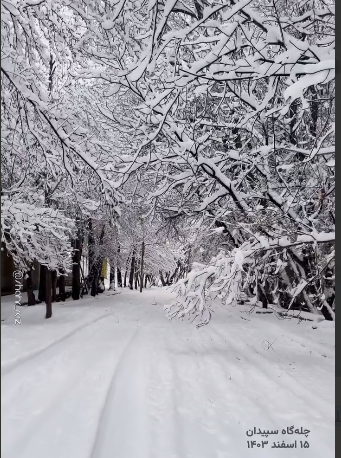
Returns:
(112,377)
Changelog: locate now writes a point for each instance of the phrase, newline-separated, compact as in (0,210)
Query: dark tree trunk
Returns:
(48,294)
(42,284)
(76,267)
(62,287)
(94,285)
(119,273)
(325,312)
(91,280)
(167,278)
(162,279)
(262,296)
(112,277)
(54,285)
(142,260)
(94,282)
(136,279)
(95,278)
(126,273)
(176,273)
(145,281)
(132,270)
(84,289)
(29,286)
(91,243)
(96,265)
(119,277)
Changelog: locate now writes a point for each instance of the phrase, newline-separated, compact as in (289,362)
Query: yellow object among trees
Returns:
(104,272)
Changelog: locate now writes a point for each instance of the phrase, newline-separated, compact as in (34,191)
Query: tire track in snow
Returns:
(9,367)
(68,421)
(166,432)
(122,427)
(62,371)
(194,388)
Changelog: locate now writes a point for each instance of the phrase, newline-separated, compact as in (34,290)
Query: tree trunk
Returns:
(119,277)
(162,279)
(42,284)
(29,286)
(112,277)
(54,285)
(125,278)
(84,289)
(119,272)
(132,269)
(327,311)
(96,264)
(262,297)
(142,260)
(145,281)
(173,276)
(76,267)
(91,245)
(94,283)
(48,294)
(95,278)
(62,287)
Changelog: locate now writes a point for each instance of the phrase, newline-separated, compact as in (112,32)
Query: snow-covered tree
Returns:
(236,116)
(222,113)
(32,232)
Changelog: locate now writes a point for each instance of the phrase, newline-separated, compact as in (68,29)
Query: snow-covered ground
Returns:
(111,377)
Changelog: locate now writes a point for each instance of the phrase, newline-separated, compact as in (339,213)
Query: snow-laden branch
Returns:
(32,233)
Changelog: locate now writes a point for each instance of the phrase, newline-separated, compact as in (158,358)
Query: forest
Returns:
(188,142)
(168,224)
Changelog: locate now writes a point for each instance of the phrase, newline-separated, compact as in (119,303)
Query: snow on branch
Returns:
(32,233)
